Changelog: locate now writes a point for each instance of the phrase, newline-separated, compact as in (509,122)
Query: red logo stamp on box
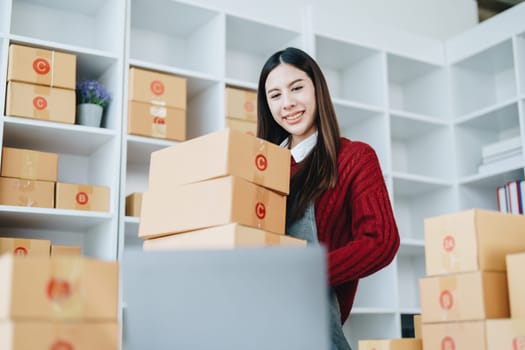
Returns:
(40,103)
(261,162)
(61,345)
(447,343)
(157,87)
(20,251)
(58,289)
(41,66)
(446,300)
(249,106)
(159,120)
(82,198)
(518,343)
(449,243)
(260,210)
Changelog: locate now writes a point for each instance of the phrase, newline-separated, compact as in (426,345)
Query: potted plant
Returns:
(92,98)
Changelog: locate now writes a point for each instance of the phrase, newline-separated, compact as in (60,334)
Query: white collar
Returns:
(303,148)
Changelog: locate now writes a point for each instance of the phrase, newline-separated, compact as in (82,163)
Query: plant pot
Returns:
(89,114)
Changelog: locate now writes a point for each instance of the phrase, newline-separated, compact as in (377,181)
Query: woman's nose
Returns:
(288,101)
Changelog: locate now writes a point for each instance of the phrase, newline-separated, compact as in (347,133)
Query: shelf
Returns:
(495,108)
(140,148)
(411,268)
(520,62)
(369,296)
(373,311)
(492,180)
(417,117)
(242,84)
(411,247)
(415,185)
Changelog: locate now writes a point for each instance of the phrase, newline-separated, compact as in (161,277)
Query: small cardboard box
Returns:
(27,193)
(40,102)
(211,203)
(391,344)
(244,126)
(82,197)
(58,289)
(24,246)
(160,89)
(241,104)
(222,237)
(516,281)
(43,67)
(133,204)
(23,335)
(161,122)
(221,153)
(66,250)
(472,240)
(29,164)
(464,297)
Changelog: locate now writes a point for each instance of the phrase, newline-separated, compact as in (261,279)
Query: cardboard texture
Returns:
(66,250)
(59,335)
(516,281)
(156,121)
(40,66)
(241,104)
(24,246)
(243,126)
(160,89)
(222,237)
(29,164)
(390,344)
(211,203)
(221,153)
(82,197)
(472,240)
(417,326)
(133,204)
(27,193)
(464,297)
(59,288)
(40,102)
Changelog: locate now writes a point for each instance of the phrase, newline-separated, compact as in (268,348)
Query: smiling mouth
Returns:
(294,116)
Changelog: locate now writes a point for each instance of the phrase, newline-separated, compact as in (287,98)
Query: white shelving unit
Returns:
(427,117)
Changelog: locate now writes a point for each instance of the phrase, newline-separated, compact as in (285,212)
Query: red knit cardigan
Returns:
(355,221)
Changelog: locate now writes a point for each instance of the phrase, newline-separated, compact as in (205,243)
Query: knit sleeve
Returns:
(375,237)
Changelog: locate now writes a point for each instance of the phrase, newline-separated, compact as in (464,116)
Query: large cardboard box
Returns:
(221,153)
(40,102)
(241,104)
(505,334)
(43,67)
(391,344)
(60,288)
(160,89)
(66,250)
(516,281)
(161,122)
(27,193)
(464,297)
(222,237)
(472,240)
(82,197)
(24,246)
(211,203)
(34,335)
(29,164)
(247,127)
(133,204)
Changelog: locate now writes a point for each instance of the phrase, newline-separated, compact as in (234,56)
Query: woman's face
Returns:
(291,97)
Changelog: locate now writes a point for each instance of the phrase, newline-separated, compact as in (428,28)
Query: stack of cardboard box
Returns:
(223,189)
(241,110)
(41,84)
(58,303)
(36,247)
(157,105)
(465,297)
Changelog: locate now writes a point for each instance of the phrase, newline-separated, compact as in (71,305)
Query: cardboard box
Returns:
(133,204)
(241,104)
(160,89)
(161,122)
(82,197)
(243,126)
(472,240)
(29,164)
(211,203)
(464,297)
(17,335)
(417,326)
(24,246)
(516,282)
(391,344)
(58,289)
(43,67)
(40,102)
(27,193)
(221,153)
(66,250)
(222,237)
(505,334)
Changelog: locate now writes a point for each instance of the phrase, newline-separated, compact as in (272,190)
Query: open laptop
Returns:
(245,299)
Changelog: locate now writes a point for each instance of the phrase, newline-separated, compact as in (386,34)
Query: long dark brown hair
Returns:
(318,171)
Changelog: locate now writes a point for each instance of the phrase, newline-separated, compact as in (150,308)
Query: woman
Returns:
(338,196)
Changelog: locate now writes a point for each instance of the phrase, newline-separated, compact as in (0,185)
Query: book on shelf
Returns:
(501,156)
(511,197)
(502,146)
(515,161)
(501,195)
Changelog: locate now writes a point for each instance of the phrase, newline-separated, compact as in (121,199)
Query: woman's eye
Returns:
(297,88)
(274,96)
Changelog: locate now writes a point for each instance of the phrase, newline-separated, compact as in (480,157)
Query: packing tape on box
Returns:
(64,287)
(447,303)
(44,78)
(82,197)
(260,207)
(40,101)
(23,185)
(260,154)
(30,164)
(158,116)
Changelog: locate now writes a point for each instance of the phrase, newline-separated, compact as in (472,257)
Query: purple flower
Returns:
(91,91)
